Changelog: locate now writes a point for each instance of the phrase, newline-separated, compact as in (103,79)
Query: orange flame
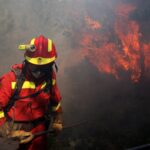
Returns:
(128,33)
(110,57)
(117,51)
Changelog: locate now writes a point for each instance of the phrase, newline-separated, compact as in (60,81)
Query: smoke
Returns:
(95,84)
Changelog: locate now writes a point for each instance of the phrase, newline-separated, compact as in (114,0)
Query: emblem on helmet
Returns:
(39,60)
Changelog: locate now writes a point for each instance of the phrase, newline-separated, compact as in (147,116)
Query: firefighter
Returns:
(29,96)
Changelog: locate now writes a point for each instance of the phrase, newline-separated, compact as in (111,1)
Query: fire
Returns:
(128,33)
(110,56)
(113,48)
(92,23)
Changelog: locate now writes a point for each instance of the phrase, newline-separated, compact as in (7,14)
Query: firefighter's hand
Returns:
(23,136)
(57,123)
(57,127)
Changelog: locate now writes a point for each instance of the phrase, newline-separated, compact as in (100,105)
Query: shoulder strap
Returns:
(20,78)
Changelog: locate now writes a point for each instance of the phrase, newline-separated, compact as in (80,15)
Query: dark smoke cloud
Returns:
(117,110)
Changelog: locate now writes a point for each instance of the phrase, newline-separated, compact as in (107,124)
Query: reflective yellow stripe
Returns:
(31,85)
(32,41)
(43,85)
(55,108)
(26,85)
(49,45)
(2,114)
(53,82)
(40,60)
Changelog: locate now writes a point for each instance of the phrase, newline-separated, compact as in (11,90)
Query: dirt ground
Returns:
(6,144)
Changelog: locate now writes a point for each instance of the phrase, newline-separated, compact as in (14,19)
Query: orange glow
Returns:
(92,23)
(128,33)
(110,57)
(114,48)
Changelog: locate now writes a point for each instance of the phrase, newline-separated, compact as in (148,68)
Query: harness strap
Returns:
(20,77)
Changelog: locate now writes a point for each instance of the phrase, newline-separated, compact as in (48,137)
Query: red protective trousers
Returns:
(38,143)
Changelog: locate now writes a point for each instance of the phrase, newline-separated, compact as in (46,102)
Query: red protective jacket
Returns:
(28,109)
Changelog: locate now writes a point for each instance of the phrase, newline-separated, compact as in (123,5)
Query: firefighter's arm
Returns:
(57,123)
(5,92)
